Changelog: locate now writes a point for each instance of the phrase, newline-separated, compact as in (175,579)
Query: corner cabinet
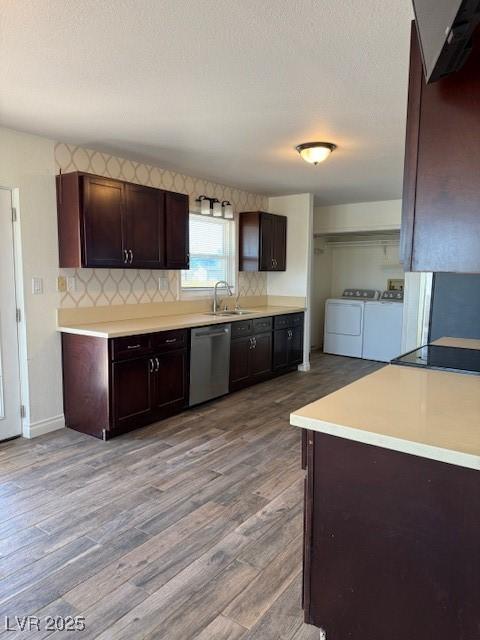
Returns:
(262,241)
(106,223)
(441,192)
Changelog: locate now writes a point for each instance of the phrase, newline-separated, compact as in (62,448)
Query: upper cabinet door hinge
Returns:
(23,411)
(14,214)
(19,315)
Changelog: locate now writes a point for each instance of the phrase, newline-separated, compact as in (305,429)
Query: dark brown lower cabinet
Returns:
(391,544)
(113,386)
(250,360)
(287,348)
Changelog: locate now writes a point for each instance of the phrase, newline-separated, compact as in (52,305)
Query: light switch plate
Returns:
(37,286)
(61,284)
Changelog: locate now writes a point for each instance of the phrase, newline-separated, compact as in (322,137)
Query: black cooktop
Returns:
(434,356)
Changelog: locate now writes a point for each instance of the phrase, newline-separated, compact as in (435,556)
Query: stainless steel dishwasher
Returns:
(209,362)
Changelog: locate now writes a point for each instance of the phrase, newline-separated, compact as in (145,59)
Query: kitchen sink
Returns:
(237,312)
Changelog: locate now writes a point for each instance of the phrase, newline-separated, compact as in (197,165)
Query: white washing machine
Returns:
(383,325)
(344,321)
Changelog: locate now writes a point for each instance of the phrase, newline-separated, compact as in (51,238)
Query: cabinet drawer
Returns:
(261,325)
(242,328)
(289,320)
(169,340)
(130,347)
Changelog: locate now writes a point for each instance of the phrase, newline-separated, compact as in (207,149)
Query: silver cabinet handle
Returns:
(134,346)
(254,342)
(157,361)
(152,366)
(125,256)
(131,256)
(290,334)
(170,341)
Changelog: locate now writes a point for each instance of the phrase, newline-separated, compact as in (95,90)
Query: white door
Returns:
(10,420)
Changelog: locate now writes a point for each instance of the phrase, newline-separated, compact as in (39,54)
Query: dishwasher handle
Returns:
(210,332)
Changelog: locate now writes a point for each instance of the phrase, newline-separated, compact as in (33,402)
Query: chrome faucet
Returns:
(215,300)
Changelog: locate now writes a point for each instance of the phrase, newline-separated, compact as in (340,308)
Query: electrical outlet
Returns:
(37,286)
(61,284)
(163,282)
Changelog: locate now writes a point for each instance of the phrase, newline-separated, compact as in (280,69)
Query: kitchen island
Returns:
(392,507)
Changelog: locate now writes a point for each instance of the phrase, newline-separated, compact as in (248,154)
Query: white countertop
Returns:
(137,326)
(432,414)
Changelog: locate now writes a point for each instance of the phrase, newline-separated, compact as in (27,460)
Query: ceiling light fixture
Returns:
(315,152)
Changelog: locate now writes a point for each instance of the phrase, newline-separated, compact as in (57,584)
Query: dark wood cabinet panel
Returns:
(261,356)
(132,388)
(288,341)
(170,382)
(240,362)
(267,242)
(262,241)
(103,216)
(441,200)
(110,223)
(412,571)
(145,226)
(280,349)
(176,230)
(280,243)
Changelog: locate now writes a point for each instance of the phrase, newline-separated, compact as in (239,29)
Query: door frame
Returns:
(20,300)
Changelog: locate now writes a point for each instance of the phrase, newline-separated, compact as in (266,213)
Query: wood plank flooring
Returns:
(189,528)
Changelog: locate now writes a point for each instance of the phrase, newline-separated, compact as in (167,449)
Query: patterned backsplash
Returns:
(98,287)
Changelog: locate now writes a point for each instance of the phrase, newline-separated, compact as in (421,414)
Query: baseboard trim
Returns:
(39,428)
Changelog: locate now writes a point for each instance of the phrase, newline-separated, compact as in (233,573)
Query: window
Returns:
(211,253)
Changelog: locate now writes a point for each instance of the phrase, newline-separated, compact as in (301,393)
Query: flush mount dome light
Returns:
(315,152)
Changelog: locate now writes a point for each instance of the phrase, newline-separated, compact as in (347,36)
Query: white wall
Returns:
(296,280)
(361,216)
(27,166)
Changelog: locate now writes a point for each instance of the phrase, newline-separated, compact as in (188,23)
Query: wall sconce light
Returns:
(227,210)
(217,208)
(213,207)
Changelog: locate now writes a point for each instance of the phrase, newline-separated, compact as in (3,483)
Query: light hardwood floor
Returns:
(189,528)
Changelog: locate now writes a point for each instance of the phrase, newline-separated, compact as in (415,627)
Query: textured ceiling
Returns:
(220,89)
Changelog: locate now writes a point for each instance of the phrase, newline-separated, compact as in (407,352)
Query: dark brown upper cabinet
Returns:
(441,192)
(263,241)
(116,224)
(177,238)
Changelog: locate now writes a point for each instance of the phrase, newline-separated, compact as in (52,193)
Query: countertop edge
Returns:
(448,456)
(203,321)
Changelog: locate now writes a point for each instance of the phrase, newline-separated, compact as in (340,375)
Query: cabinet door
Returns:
(170,387)
(132,392)
(103,220)
(267,235)
(261,355)
(280,243)
(295,345)
(144,226)
(280,348)
(176,230)
(240,350)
